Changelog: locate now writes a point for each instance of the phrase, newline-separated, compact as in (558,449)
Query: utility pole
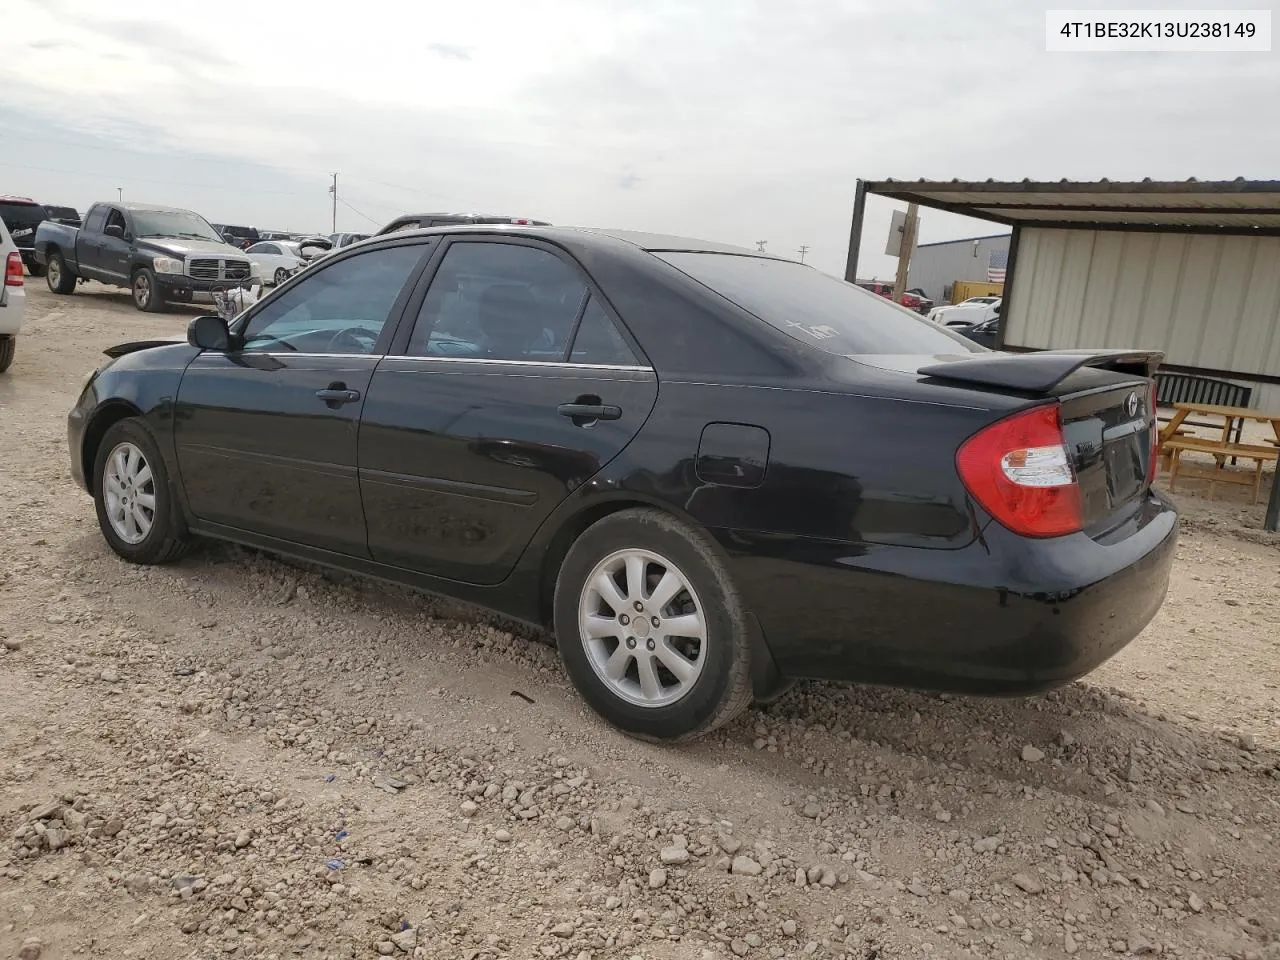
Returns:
(804,248)
(904,251)
(333,189)
(760,244)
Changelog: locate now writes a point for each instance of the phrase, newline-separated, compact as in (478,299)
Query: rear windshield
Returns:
(816,308)
(22,214)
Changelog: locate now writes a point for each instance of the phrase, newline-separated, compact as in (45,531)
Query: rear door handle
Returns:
(338,395)
(589,411)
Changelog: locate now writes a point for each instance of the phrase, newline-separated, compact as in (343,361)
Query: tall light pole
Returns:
(120,194)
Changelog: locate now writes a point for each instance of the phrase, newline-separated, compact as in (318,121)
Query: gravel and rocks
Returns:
(236,756)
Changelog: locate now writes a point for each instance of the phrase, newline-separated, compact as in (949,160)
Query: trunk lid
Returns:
(1107,404)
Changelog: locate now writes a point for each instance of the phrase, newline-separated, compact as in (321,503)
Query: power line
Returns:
(376,223)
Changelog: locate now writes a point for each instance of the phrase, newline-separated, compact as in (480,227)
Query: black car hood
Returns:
(133,346)
(183,247)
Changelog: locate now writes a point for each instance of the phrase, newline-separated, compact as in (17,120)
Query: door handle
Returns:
(335,394)
(589,411)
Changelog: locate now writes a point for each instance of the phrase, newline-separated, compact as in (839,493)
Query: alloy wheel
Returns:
(129,491)
(643,628)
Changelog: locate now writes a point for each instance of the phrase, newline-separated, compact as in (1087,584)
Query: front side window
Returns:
(116,219)
(340,309)
(817,309)
(499,301)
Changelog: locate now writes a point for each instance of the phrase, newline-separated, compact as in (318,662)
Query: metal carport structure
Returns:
(1189,267)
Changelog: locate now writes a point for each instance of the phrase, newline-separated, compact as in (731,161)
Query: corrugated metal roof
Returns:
(1231,205)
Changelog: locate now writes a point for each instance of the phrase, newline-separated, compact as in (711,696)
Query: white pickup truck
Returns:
(13,298)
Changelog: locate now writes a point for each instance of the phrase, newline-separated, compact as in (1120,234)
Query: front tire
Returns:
(58,277)
(136,509)
(146,292)
(8,346)
(651,628)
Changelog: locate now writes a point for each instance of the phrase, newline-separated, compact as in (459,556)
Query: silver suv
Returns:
(13,297)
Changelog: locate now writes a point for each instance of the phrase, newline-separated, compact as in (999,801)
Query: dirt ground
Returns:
(237,757)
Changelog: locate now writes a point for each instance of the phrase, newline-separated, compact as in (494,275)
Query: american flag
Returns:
(996,266)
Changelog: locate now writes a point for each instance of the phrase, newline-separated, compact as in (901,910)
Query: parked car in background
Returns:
(984,332)
(346,239)
(278,260)
(159,253)
(67,215)
(417,221)
(240,237)
(909,299)
(973,310)
(553,423)
(13,298)
(22,215)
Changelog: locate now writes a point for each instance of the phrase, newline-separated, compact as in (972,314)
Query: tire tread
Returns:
(738,692)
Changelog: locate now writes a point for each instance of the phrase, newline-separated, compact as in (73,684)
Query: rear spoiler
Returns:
(1042,370)
(120,349)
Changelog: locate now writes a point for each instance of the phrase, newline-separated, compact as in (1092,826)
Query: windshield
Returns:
(173,223)
(818,309)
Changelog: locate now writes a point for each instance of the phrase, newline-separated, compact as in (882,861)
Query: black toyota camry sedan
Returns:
(709,471)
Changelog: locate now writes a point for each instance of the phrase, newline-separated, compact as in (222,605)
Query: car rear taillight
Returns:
(522,221)
(13,269)
(1019,469)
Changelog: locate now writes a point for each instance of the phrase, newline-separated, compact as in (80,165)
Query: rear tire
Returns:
(281,275)
(58,277)
(651,676)
(147,295)
(8,345)
(137,510)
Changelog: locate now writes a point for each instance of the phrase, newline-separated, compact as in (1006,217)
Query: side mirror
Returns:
(209,333)
(114,230)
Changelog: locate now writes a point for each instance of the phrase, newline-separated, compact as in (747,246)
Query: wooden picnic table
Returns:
(1229,417)
(1174,440)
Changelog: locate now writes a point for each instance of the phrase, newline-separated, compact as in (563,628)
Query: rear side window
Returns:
(817,309)
(97,220)
(598,340)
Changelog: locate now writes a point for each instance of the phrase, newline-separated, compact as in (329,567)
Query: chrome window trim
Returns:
(287,354)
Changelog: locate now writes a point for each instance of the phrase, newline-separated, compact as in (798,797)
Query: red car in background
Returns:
(912,301)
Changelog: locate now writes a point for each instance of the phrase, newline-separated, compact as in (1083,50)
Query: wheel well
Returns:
(102,421)
(559,546)
(51,249)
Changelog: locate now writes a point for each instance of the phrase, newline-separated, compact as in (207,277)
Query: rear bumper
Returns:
(15,305)
(1004,615)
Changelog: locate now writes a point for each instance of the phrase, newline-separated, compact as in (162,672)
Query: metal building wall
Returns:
(935,266)
(1206,301)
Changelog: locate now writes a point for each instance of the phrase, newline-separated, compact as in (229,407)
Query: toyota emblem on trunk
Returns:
(1131,405)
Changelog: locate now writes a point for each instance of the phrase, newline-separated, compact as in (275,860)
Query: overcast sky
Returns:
(733,120)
